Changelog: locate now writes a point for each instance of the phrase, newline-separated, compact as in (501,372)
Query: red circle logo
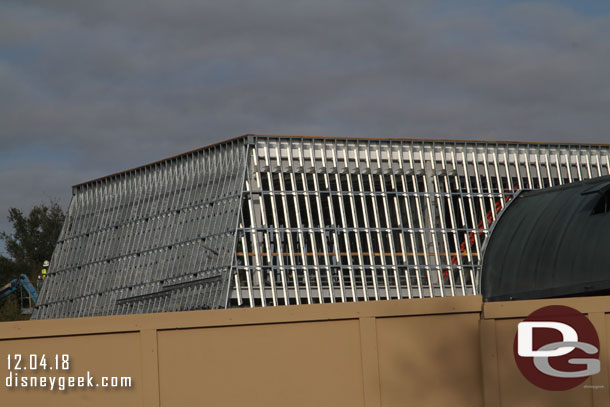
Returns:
(556,348)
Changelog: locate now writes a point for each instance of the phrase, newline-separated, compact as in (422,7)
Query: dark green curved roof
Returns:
(550,243)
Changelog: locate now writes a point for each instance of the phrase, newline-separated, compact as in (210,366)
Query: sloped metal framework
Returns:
(158,238)
(274,220)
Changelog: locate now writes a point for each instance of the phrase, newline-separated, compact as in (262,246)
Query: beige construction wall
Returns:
(503,384)
(429,352)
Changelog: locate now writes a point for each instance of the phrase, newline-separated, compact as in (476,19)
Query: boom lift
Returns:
(27,292)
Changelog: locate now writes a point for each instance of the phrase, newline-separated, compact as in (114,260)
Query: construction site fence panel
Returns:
(453,351)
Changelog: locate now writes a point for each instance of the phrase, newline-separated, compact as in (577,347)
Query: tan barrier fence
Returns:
(428,352)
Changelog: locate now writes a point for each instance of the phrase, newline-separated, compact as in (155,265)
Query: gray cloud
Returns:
(90,88)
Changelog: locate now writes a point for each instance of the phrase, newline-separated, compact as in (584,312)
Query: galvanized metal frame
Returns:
(274,220)
(158,238)
(435,201)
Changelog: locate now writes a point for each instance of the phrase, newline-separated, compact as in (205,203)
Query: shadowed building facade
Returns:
(276,220)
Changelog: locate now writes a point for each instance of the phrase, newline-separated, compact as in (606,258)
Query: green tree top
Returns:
(32,242)
(35,235)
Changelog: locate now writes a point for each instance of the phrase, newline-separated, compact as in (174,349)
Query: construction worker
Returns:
(43,273)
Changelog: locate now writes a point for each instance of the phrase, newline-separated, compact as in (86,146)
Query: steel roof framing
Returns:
(275,220)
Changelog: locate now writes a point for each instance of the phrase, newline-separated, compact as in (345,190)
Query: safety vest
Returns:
(44,273)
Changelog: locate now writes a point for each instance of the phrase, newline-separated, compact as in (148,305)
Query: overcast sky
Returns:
(88,88)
